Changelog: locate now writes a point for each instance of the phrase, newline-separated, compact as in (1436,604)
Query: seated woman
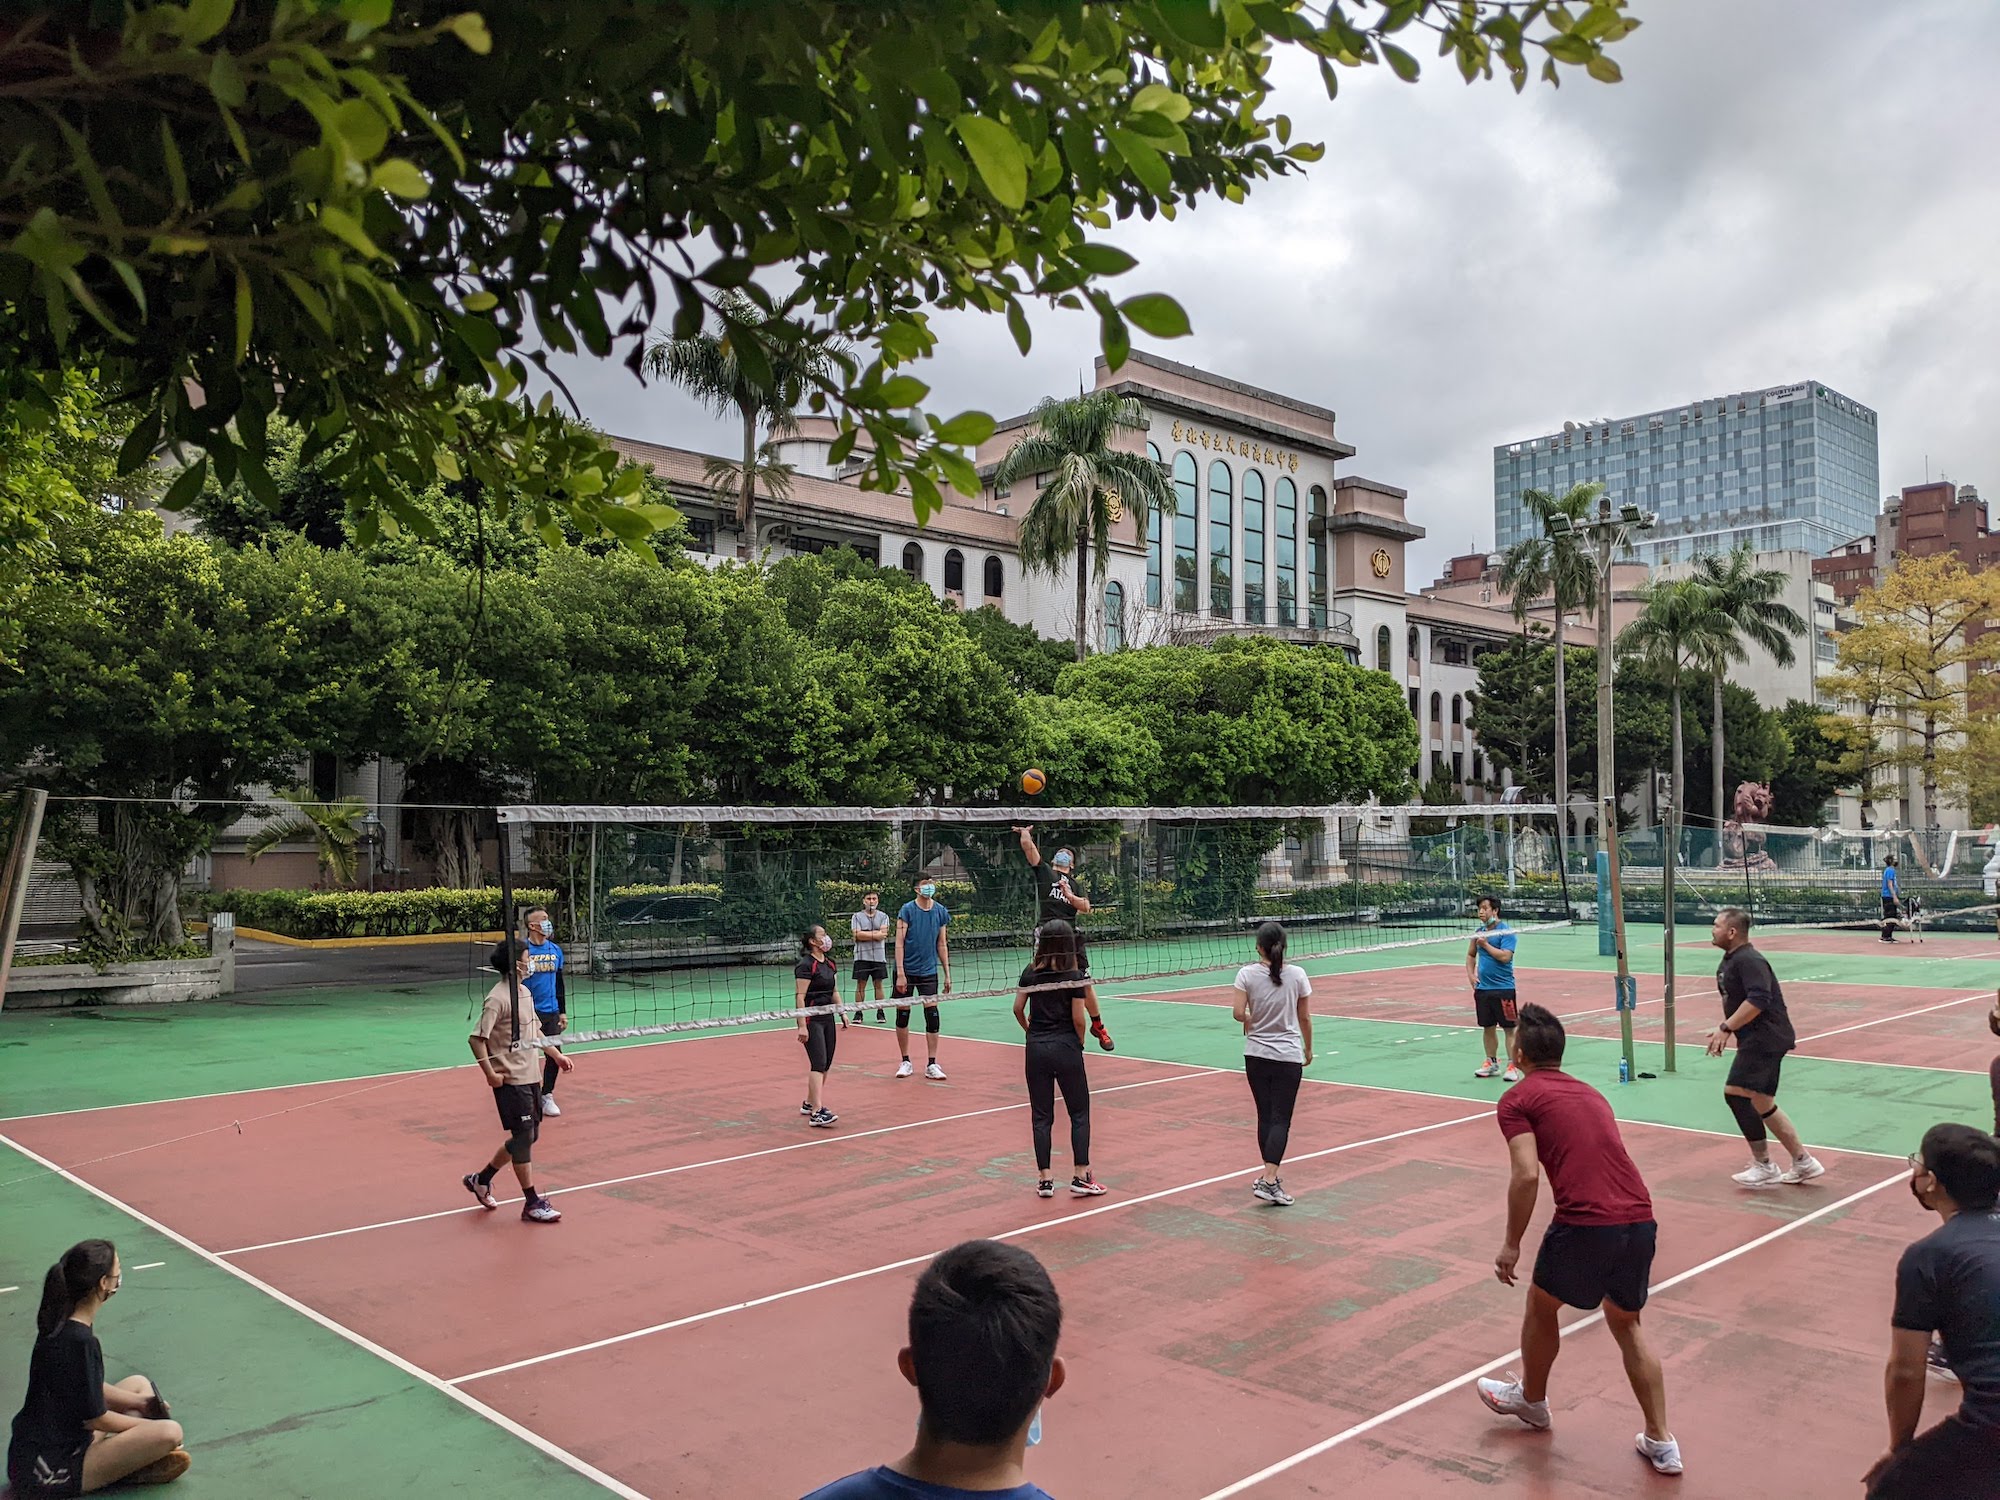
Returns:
(74,1433)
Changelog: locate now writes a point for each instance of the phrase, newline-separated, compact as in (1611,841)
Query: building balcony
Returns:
(1310,625)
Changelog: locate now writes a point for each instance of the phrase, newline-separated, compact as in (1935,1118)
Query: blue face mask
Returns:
(1062,861)
(927,890)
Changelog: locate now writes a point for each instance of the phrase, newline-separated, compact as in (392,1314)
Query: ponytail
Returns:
(72,1279)
(1271,944)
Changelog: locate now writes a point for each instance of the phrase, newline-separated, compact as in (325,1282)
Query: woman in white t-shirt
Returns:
(1277,1044)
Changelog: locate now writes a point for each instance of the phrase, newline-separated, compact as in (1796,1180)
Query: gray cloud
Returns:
(1778,190)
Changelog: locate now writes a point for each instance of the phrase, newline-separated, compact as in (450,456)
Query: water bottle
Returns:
(1624,1071)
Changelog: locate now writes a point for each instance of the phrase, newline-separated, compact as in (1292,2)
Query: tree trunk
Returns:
(1082,592)
(746,486)
(1680,758)
(1715,749)
(452,842)
(1562,739)
(128,881)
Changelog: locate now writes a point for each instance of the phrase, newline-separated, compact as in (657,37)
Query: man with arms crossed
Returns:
(1489,969)
(1947,1282)
(1753,1013)
(923,957)
(1597,1251)
(870,927)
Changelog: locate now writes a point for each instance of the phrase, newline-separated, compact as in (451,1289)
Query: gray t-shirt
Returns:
(876,951)
(1274,1012)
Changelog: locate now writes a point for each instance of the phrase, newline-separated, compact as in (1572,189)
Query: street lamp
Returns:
(371,831)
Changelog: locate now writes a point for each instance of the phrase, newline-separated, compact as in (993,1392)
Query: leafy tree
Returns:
(373,216)
(1749,598)
(1071,516)
(1031,662)
(334,828)
(1512,713)
(803,583)
(1681,629)
(1804,783)
(1093,756)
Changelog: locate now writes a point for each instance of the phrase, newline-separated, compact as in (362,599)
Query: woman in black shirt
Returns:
(816,981)
(74,1433)
(1053,1006)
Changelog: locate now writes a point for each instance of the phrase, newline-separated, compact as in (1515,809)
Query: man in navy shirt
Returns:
(1949,1283)
(984,1322)
(923,959)
(545,985)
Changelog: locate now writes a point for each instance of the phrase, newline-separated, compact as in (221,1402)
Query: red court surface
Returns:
(719,1312)
(1868,943)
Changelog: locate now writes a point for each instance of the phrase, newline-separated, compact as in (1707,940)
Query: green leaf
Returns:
(341,225)
(245,313)
(1001,160)
(902,390)
(1603,69)
(1197,21)
(1158,314)
(1103,260)
(132,283)
(205,19)
(446,463)
(402,178)
(225,80)
(309,298)
(1017,324)
(470,28)
(181,493)
(960,473)
(1157,98)
(140,442)
(1569,49)
(170,150)
(968,429)
(1404,65)
(1146,163)
(481,302)
(362,127)
(1115,338)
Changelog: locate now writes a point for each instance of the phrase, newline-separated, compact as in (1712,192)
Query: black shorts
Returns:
(819,1043)
(1583,1264)
(1952,1461)
(24,1471)
(925,985)
(1494,1008)
(1756,1069)
(871,968)
(519,1104)
(1890,910)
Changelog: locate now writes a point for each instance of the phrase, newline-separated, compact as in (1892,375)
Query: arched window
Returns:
(1457,709)
(1187,525)
(1414,705)
(1114,617)
(996,578)
(1415,642)
(1221,540)
(1382,648)
(1288,552)
(954,571)
(1437,708)
(1253,546)
(913,560)
(1315,559)
(1478,766)
(1155,541)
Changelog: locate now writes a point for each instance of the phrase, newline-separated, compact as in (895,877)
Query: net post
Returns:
(507,922)
(20,871)
(1671,854)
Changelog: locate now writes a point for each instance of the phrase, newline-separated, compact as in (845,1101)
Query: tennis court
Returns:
(719,1311)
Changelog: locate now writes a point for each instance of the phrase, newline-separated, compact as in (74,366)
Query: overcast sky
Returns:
(1779,190)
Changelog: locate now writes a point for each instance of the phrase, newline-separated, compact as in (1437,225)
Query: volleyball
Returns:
(1032,782)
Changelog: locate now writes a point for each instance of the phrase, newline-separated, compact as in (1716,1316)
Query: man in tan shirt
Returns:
(508,1044)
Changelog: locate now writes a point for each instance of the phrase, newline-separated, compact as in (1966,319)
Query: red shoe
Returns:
(1098,1030)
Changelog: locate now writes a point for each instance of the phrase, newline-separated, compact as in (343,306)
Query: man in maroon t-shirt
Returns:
(1597,1251)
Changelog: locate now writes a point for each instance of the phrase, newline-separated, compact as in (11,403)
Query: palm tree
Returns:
(1681,629)
(769,474)
(1071,515)
(1524,574)
(334,827)
(1749,596)
(765,390)
(1569,570)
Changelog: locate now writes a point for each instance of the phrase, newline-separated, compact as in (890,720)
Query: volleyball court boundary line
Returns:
(505,1423)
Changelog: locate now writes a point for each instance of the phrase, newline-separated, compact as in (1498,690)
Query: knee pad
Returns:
(931,1021)
(1747,1118)
(1766,1114)
(521,1144)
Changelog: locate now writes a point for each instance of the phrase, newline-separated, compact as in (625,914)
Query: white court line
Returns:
(1234,1175)
(1380,1419)
(694,1166)
(416,1372)
(151,1265)
(4,1290)
(1885,1020)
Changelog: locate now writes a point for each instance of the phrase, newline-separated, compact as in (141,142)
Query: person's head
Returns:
(87,1275)
(1731,930)
(871,900)
(1489,910)
(1537,1040)
(1055,949)
(1064,860)
(814,942)
(926,889)
(1889,861)
(1271,948)
(511,953)
(537,924)
(984,1322)
(1956,1170)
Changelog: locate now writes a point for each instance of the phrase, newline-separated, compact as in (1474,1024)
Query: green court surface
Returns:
(277,1404)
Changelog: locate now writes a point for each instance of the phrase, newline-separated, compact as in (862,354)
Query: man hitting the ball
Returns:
(1056,900)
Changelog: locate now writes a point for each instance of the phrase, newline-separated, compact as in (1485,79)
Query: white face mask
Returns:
(824,943)
(546,926)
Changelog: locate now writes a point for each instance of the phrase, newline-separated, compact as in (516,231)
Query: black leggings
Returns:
(1057,1062)
(1275,1087)
(1996,1096)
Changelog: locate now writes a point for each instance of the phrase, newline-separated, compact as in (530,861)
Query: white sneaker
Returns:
(1805,1169)
(1760,1174)
(1504,1397)
(906,1069)
(934,1071)
(1512,1075)
(549,1106)
(1664,1456)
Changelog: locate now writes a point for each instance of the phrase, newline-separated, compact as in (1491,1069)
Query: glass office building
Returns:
(1790,467)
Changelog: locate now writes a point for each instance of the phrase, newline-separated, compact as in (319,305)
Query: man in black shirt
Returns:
(1056,900)
(1947,1282)
(1753,1013)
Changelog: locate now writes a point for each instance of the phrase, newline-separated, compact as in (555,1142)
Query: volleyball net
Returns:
(690,918)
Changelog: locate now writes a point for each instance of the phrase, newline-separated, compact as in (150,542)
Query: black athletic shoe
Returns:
(480,1190)
(1046,1188)
(822,1118)
(879,1015)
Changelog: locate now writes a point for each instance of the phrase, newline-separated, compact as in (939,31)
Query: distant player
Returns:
(503,1044)
(1754,1017)
(545,983)
(923,961)
(1489,969)
(1891,889)
(1056,900)
(870,927)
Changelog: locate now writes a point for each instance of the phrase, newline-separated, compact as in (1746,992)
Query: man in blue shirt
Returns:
(984,1323)
(1891,890)
(923,958)
(1489,969)
(545,985)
